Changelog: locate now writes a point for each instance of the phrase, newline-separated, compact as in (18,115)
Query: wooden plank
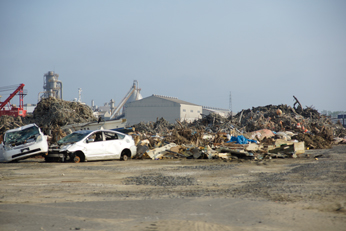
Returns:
(299,148)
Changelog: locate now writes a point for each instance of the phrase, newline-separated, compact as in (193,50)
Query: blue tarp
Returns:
(241,140)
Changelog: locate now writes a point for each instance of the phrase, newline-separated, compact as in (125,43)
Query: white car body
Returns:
(86,145)
(23,142)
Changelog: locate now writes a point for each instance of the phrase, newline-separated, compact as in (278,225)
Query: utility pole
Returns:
(230,105)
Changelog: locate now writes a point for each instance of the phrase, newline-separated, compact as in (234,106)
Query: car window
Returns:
(73,137)
(21,136)
(111,135)
(91,137)
(121,136)
(98,136)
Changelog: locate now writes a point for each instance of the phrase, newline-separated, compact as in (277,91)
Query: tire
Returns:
(124,156)
(76,159)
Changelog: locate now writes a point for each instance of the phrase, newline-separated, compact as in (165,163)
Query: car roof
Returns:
(83,131)
(99,130)
(22,127)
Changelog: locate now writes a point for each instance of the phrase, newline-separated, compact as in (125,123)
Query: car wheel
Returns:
(76,159)
(124,157)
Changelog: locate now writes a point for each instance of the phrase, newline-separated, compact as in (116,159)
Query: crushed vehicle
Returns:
(23,142)
(89,145)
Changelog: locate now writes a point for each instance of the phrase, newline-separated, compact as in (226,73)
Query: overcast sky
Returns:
(261,51)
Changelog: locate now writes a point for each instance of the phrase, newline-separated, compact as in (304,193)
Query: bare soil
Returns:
(307,193)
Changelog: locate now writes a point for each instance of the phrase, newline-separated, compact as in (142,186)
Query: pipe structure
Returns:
(60,83)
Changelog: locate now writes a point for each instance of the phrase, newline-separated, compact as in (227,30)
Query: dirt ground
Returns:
(307,193)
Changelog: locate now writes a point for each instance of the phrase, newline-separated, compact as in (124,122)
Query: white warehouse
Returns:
(154,107)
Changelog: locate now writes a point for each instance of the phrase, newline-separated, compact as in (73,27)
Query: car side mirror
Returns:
(90,140)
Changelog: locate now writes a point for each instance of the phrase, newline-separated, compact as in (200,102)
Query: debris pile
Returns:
(276,131)
(310,125)
(52,113)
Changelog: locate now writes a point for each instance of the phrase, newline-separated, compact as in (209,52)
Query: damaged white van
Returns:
(21,143)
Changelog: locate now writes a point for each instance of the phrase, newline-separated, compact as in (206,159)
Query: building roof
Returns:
(174,99)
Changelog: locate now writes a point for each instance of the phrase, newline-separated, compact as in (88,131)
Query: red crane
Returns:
(13,110)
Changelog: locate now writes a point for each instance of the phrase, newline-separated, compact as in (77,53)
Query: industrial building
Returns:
(52,86)
(156,106)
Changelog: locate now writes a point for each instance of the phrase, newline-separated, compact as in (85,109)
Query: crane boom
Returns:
(11,96)
(14,111)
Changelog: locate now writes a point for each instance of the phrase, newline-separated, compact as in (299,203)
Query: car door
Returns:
(114,144)
(94,147)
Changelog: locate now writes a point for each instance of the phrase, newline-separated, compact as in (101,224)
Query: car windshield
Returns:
(74,137)
(21,136)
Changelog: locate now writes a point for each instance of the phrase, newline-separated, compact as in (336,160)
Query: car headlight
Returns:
(39,138)
(8,147)
(65,147)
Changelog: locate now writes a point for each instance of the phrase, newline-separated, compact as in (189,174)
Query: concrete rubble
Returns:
(272,131)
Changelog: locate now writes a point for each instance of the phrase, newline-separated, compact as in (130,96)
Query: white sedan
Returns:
(86,145)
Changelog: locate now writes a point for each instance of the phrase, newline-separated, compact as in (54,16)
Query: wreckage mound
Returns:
(304,124)
(52,112)
(276,117)
(160,126)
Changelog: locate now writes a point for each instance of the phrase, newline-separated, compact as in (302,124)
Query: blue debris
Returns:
(241,140)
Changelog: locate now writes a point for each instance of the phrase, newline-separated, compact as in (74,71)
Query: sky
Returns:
(225,54)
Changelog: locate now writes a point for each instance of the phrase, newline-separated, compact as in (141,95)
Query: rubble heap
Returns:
(279,130)
(53,113)
(309,124)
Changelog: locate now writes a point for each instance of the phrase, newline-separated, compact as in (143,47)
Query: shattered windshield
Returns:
(21,136)
(74,137)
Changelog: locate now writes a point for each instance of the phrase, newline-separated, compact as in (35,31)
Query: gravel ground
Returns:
(316,182)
